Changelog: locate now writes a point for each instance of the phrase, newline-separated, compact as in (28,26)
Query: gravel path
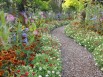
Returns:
(77,61)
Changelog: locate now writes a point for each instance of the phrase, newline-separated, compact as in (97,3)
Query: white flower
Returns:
(58,72)
(31,70)
(101,69)
(59,75)
(34,67)
(46,75)
(40,68)
(49,72)
(39,76)
(96,64)
(53,72)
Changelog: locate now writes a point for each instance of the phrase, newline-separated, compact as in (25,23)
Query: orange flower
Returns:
(24,44)
(27,48)
(13,52)
(33,45)
(31,58)
(7,57)
(33,54)
(11,60)
(76,23)
(1,73)
(15,62)
(4,52)
(22,54)
(12,56)
(1,58)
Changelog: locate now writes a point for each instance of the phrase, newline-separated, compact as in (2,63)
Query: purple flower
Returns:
(24,35)
(26,29)
(24,38)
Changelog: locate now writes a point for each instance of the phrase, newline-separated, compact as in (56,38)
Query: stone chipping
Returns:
(77,61)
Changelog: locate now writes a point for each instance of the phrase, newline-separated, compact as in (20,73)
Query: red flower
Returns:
(26,73)
(1,64)
(32,65)
(22,76)
(33,73)
(46,60)
(50,65)
(18,71)
(23,63)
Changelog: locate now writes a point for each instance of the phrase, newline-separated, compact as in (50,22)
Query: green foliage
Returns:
(77,5)
(4,31)
(39,4)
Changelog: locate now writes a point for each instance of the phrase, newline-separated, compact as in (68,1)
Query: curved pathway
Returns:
(76,60)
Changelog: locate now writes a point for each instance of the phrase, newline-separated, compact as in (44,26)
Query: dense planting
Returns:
(31,51)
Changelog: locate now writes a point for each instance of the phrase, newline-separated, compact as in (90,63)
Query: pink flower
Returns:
(35,32)
(10,18)
(26,20)
(101,19)
(32,20)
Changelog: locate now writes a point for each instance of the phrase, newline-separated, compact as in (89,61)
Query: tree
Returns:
(56,5)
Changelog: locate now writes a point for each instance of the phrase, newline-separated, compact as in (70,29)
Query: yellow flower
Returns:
(23,27)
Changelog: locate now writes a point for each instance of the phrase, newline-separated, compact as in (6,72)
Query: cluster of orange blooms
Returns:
(10,59)
(7,58)
(76,23)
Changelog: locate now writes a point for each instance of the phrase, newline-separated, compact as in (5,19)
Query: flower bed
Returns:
(46,63)
(26,50)
(41,61)
(31,52)
(91,40)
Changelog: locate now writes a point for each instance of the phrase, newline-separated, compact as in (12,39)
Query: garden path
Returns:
(76,60)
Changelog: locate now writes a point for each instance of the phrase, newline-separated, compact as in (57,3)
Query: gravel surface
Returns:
(76,60)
